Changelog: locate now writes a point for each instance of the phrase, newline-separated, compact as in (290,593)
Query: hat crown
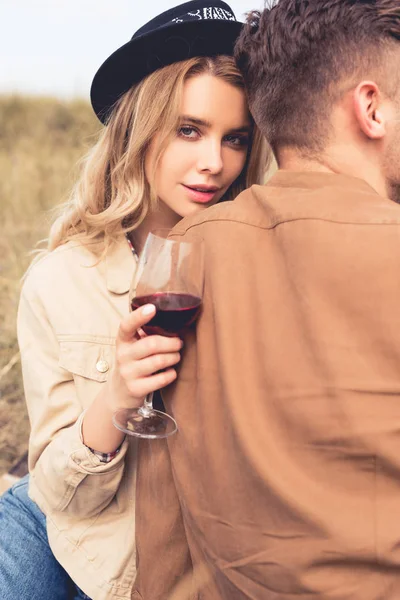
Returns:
(193,29)
(196,10)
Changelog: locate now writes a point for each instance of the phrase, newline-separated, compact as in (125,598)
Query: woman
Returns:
(178,138)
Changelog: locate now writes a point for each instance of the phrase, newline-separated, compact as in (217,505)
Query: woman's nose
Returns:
(210,158)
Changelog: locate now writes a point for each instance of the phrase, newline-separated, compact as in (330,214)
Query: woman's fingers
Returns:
(148,346)
(139,388)
(153,364)
(155,344)
(134,321)
(145,363)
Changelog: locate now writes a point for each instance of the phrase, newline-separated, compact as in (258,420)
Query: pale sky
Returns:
(54,47)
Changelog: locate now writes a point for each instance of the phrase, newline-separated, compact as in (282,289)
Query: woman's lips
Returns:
(200,196)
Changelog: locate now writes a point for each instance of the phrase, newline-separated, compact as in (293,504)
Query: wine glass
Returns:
(169,275)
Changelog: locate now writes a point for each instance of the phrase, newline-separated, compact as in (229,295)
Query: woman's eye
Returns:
(188,132)
(237,140)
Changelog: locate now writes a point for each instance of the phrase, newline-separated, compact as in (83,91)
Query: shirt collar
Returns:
(316,179)
(120,266)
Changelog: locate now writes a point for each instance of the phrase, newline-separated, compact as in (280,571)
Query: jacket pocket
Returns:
(90,357)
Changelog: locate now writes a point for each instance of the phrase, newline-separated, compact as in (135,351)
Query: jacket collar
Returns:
(120,266)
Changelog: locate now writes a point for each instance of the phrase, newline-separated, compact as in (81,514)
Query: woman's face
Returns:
(209,150)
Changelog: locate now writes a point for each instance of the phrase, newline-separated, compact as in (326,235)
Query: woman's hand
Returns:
(143,363)
(134,375)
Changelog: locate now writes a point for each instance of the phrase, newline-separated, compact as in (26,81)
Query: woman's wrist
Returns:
(105,457)
(98,430)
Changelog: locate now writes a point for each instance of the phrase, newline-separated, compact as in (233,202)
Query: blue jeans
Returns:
(28,568)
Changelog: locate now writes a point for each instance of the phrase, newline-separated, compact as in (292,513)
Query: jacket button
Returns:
(102,366)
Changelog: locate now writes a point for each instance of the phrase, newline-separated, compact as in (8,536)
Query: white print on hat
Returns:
(210,13)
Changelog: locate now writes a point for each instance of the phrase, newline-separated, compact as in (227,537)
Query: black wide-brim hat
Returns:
(197,28)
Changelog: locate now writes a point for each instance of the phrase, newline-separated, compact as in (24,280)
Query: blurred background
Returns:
(49,52)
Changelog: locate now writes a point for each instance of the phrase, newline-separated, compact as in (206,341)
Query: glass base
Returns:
(136,422)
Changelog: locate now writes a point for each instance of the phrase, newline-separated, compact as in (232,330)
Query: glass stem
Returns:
(147,407)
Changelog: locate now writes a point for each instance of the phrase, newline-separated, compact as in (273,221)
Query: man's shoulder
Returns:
(243,210)
(296,198)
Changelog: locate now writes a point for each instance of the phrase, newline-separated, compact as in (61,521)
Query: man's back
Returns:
(287,462)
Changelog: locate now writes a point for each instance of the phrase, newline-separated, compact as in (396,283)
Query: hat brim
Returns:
(145,54)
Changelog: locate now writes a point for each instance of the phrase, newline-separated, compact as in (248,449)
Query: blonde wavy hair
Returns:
(112,195)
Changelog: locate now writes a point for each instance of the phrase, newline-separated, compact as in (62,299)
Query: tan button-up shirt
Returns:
(69,314)
(287,461)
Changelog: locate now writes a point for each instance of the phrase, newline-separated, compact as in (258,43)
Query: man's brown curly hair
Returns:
(299,56)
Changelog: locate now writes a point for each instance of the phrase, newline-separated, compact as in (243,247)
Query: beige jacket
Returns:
(68,317)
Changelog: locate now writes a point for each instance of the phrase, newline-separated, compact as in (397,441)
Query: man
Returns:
(287,462)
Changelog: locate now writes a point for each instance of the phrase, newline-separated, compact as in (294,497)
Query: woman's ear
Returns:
(367,104)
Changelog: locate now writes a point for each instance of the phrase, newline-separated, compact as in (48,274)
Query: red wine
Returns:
(174,312)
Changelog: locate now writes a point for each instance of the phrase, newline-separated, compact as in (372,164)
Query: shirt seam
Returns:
(283,221)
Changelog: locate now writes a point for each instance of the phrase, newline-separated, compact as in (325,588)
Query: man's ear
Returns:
(367,103)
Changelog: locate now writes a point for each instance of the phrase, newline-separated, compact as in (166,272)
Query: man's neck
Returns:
(334,161)
(291,160)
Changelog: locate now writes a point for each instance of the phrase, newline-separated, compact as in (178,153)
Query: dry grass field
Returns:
(41,141)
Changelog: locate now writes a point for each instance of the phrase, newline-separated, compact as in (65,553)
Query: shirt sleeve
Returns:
(65,474)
